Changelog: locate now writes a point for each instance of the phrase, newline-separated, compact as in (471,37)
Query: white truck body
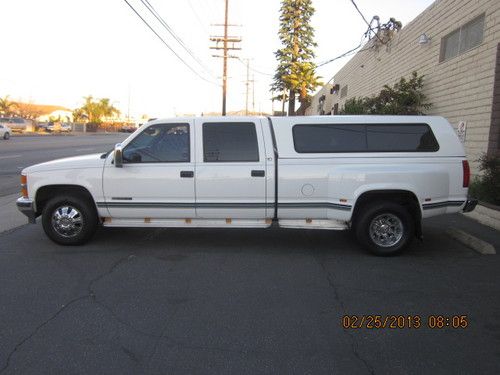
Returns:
(284,179)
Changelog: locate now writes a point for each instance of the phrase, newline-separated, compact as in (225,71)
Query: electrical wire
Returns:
(150,7)
(168,46)
(255,70)
(367,23)
(340,56)
(198,17)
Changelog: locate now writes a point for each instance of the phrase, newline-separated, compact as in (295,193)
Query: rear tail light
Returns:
(466,170)
(24,186)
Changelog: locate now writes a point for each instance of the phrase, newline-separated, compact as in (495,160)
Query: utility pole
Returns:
(248,81)
(247,84)
(225,47)
(253,93)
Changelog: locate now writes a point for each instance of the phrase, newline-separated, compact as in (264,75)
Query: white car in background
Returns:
(4,131)
(17,124)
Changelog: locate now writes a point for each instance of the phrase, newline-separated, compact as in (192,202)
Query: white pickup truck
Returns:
(379,175)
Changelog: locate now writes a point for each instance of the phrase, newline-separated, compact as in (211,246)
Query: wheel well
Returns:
(403,197)
(45,193)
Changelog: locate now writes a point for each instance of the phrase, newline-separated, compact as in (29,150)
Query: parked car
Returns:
(5,131)
(44,125)
(56,127)
(17,123)
(128,129)
(66,128)
(377,175)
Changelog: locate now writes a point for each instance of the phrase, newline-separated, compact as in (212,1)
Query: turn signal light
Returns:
(24,186)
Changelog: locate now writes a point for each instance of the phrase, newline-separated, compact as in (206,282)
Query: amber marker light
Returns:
(24,186)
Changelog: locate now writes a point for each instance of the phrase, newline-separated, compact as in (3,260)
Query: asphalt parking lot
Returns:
(244,301)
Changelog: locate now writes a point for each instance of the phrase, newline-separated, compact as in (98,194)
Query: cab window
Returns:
(160,143)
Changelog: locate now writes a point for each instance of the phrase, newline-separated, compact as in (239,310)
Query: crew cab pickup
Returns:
(377,175)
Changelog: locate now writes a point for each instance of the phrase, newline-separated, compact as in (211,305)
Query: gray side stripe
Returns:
(223,205)
(430,206)
(335,206)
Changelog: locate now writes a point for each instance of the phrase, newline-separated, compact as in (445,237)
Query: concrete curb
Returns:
(469,240)
(10,217)
(485,216)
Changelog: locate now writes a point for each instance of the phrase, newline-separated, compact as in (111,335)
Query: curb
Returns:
(485,216)
(10,217)
(482,247)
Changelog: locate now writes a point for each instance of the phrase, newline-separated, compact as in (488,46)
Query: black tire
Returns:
(391,225)
(6,135)
(85,213)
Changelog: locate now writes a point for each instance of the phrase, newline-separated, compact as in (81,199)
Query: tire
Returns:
(69,220)
(385,228)
(6,135)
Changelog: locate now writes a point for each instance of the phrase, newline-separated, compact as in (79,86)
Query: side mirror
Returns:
(118,156)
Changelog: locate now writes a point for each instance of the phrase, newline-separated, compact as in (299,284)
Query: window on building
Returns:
(462,39)
(343,92)
(230,142)
(161,143)
(331,138)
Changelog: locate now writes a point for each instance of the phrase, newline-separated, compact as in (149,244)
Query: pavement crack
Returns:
(113,267)
(90,294)
(336,296)
(38,328)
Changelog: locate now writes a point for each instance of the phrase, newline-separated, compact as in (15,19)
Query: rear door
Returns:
(230,169)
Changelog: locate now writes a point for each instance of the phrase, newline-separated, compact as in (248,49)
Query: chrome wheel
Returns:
(386,230)
(67,221)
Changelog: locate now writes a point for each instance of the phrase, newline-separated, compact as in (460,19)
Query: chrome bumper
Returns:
(25,205)
(470,205)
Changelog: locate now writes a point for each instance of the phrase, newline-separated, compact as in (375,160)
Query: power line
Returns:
(174,35)
(367,23)
(167,45)
(198,17)
(255,70)
(339,57)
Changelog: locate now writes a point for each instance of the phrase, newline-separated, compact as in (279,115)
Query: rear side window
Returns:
(329,138)
(230,142)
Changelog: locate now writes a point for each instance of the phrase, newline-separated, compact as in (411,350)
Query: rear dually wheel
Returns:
(385,228)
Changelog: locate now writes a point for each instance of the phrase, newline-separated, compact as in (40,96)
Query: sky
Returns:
(58,51)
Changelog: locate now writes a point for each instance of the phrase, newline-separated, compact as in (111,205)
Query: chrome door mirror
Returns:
(118,159)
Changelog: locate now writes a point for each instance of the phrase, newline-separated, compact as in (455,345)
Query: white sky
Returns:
(57,51)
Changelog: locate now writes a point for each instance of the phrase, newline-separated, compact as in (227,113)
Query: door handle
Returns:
(258,173)
(187,174)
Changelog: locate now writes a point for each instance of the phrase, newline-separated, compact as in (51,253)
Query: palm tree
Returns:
(96,110)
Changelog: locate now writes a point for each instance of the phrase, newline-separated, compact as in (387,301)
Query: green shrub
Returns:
(487,186)
(404,98)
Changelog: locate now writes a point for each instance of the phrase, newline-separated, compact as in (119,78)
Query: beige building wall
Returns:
(460,89)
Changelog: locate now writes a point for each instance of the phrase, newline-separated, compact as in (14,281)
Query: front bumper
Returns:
(470,205)
(25,205)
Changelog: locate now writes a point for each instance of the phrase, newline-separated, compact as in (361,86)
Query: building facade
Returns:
(455,44)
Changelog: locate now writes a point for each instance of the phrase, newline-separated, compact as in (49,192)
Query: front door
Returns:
(230,170)
(157,177)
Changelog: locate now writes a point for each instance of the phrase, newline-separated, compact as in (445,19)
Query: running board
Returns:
(186,223)
(313,224)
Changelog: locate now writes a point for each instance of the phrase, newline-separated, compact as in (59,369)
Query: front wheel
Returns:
(6,136)
(69,220)
(385,228)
